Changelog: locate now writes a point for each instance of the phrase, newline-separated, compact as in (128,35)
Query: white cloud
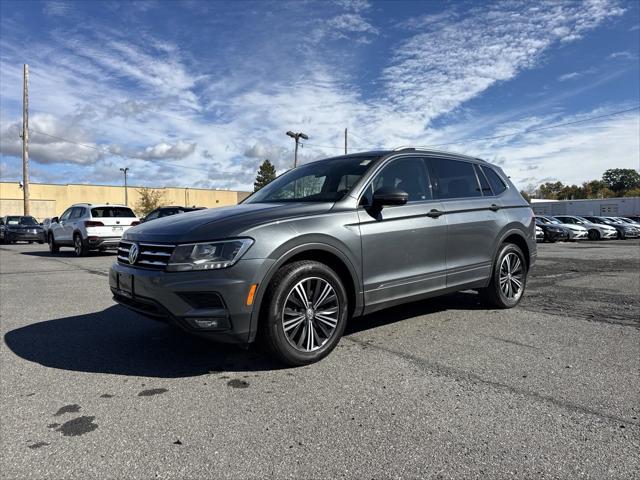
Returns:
(569,76)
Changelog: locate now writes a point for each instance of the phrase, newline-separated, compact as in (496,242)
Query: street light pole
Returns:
(126,196)
(297,137)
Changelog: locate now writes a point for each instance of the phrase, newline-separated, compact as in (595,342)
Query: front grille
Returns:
(150,255)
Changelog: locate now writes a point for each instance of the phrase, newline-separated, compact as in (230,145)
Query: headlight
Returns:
(208,256)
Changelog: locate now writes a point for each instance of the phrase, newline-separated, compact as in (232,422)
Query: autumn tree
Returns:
(266,174)
(621,179)
(149,200)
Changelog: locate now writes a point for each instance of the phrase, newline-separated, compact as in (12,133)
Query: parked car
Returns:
(574,231)
(631,230)
(20,228)
(46,223)
(552,233)
(329,240)
(596,231)
(622,231)
(539,234)
(633,218)
(167,211)
(86,227)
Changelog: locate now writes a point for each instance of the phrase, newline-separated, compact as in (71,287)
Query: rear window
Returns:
(455,179)
(497,185)
(111,212)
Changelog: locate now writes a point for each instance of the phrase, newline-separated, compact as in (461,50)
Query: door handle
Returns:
(433,213)
(494,207)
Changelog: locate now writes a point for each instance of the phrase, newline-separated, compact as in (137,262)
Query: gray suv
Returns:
(328,241)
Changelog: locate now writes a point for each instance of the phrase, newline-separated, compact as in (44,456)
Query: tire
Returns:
(293,344)
(79,247)
(53,246)
(594,235)
(503,291)
(621,235)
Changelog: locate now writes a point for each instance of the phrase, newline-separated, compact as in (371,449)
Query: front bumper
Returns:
(168,297)
(25,236)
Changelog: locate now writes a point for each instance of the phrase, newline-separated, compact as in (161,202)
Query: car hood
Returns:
(577,228)
(24,227)
(219,223)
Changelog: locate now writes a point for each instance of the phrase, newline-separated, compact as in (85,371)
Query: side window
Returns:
(407,174)
(152,215)
(77,213)
(484,184)
(495,181)
(454,179)
(66,214)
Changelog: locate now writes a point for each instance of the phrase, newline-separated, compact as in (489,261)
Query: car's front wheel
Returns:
(509,278)
(306,314)
(594,235)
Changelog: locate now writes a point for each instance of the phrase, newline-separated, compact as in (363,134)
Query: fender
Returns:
(287,255)
(507,231)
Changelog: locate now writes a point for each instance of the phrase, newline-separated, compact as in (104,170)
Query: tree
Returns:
(621,179)
(551,190)
(150,199)
(633,192)
(525,195)
(266,174)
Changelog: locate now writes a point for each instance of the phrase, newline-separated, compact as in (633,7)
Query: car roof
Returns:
(409,149)
(99,205)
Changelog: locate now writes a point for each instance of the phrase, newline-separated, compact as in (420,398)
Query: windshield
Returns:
(554,220)
(110,212)
(322,181)
(542,220)
(28,221)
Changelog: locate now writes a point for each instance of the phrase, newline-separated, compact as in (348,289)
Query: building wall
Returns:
(49,200)
(603,206)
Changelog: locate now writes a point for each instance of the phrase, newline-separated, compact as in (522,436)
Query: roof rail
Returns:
(405,147)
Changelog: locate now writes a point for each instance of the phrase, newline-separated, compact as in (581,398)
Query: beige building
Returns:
(50,200)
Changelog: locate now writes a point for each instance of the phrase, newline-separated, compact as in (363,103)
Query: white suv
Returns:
(90,227)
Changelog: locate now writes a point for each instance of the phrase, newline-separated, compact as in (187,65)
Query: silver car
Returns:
(329,241)
(596,231)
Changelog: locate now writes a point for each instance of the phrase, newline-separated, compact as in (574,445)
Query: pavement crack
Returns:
(465,376)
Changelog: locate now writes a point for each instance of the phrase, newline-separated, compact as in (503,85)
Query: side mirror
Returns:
(143,219)
(389,196)
(54,220)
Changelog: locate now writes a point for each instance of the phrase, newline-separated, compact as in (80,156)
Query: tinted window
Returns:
(109,212)
(484,185)
(66,214)
(13,220)
(322,181)
(454,179)
(406,174)
(168,212)
(153,215)
(28,221)
(497,185)
(77,212)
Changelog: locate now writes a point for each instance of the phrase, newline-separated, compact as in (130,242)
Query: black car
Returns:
(552,232)
(167,211)
(15,228)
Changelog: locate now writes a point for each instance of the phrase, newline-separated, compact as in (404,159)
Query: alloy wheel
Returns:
(78,245)
(310,315)
(511,276)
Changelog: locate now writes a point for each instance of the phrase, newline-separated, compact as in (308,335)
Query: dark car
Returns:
(167,211)
(16,228)
(327,241)
(623,230)
(552,232)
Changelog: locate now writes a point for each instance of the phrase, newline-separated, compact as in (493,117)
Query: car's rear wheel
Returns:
(53,246)
(509,278)
(594,235)
(79,247)
(307,313)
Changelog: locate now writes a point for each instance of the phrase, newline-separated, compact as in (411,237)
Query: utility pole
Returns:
(297,137)
(126,196)
(25,139)
(345,141)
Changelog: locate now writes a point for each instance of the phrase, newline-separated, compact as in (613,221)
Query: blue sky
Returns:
(198,93)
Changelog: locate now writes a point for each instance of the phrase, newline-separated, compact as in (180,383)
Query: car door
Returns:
(71,226)
(60,229)
(474,219)
(403,248)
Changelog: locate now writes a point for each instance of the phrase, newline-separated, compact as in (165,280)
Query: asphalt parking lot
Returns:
(442,388)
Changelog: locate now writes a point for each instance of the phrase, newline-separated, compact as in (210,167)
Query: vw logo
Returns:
(133,253)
